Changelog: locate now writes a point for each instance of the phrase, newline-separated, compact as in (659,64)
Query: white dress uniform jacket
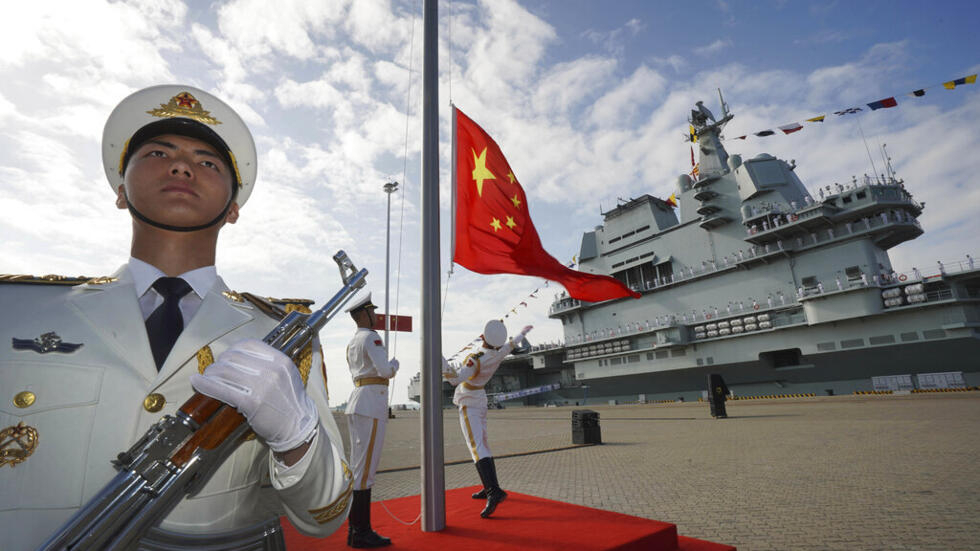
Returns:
(367,358)
(88,406)
(473,374)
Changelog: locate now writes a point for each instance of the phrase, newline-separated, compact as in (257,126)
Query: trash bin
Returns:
(585,427)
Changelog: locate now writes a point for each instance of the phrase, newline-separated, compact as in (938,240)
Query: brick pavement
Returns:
(825,473)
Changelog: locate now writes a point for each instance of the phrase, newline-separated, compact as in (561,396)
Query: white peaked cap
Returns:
(363,302)
(495,333)
(182,110)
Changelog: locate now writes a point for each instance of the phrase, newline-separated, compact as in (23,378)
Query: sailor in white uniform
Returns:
(469,378)
(367,417)
(95,362)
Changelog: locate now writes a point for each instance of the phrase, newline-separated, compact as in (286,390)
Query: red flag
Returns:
(494,232)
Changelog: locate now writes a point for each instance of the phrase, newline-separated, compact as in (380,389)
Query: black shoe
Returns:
(482,494)
(494,497)
(366,539)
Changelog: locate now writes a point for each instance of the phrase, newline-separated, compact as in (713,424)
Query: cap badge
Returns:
(17,443)
(184,105)
(48,342)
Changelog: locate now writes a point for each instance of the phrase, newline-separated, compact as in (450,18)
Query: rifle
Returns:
(179,453)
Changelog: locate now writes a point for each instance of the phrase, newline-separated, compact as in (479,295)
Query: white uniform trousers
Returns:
(367,437)
(473,421)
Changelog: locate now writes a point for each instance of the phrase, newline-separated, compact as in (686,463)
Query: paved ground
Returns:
(825,473)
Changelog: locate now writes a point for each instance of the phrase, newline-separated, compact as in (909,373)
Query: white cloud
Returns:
(568,85)
(675,62)
(257,30)
(713,48)
(618,106)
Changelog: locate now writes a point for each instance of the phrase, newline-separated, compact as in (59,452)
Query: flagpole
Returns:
(389,188)
(452,215)
(433,473)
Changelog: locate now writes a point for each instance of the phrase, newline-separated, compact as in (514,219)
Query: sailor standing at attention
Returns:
(367,417)
(469,378)
(110,356)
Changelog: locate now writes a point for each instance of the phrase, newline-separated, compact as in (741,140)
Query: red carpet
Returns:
(521,522)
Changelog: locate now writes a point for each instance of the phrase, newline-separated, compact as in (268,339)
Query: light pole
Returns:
(389,188)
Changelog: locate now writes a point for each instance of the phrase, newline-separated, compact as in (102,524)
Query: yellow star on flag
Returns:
(480,171)
(510,222)
(511,176)
(495,224)
(516,201)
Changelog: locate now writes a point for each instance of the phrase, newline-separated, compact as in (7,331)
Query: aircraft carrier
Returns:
(779,290)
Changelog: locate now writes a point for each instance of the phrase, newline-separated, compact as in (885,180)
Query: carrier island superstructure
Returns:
(780,291)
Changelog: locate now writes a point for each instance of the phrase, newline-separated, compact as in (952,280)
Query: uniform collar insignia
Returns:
(48,342)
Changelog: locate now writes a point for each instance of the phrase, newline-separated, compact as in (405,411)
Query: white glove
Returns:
(447,370)
(394,367)
(263,385)
(523,333)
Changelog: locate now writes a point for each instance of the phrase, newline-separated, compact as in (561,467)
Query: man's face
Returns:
(178,180)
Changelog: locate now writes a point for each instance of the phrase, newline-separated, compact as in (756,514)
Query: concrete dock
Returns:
(823,473)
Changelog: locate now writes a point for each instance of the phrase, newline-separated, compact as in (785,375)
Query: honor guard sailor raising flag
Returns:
(367,417)
(137,344)
(469,378)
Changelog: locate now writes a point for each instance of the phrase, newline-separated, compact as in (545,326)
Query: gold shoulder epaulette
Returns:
(293,304)
(277,308)
(267,307)
(53,279)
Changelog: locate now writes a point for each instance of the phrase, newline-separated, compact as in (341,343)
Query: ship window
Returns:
(628,234)
(661,354)
(648,273)
(883,339)
(789,357)
(852,343)
(824,346)
(913,336)
(618,264)
(678,352)
(847,199)
(650,355)
(934,334)
(647,255)
(853,272)
(644,228)
(810,282)
(861,195)
(614,239)
(633,358)
(616,361)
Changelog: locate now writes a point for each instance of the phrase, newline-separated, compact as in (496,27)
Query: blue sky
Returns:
(588,100)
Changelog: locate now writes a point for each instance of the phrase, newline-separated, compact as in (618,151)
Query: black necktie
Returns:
(166,322)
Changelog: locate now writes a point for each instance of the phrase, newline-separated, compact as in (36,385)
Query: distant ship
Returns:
(780,291)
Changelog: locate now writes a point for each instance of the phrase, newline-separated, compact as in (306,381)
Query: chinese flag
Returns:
(494,232)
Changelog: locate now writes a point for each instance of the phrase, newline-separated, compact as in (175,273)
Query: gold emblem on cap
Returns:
(24,399)
(184,105)
(17,443)
(154,402)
